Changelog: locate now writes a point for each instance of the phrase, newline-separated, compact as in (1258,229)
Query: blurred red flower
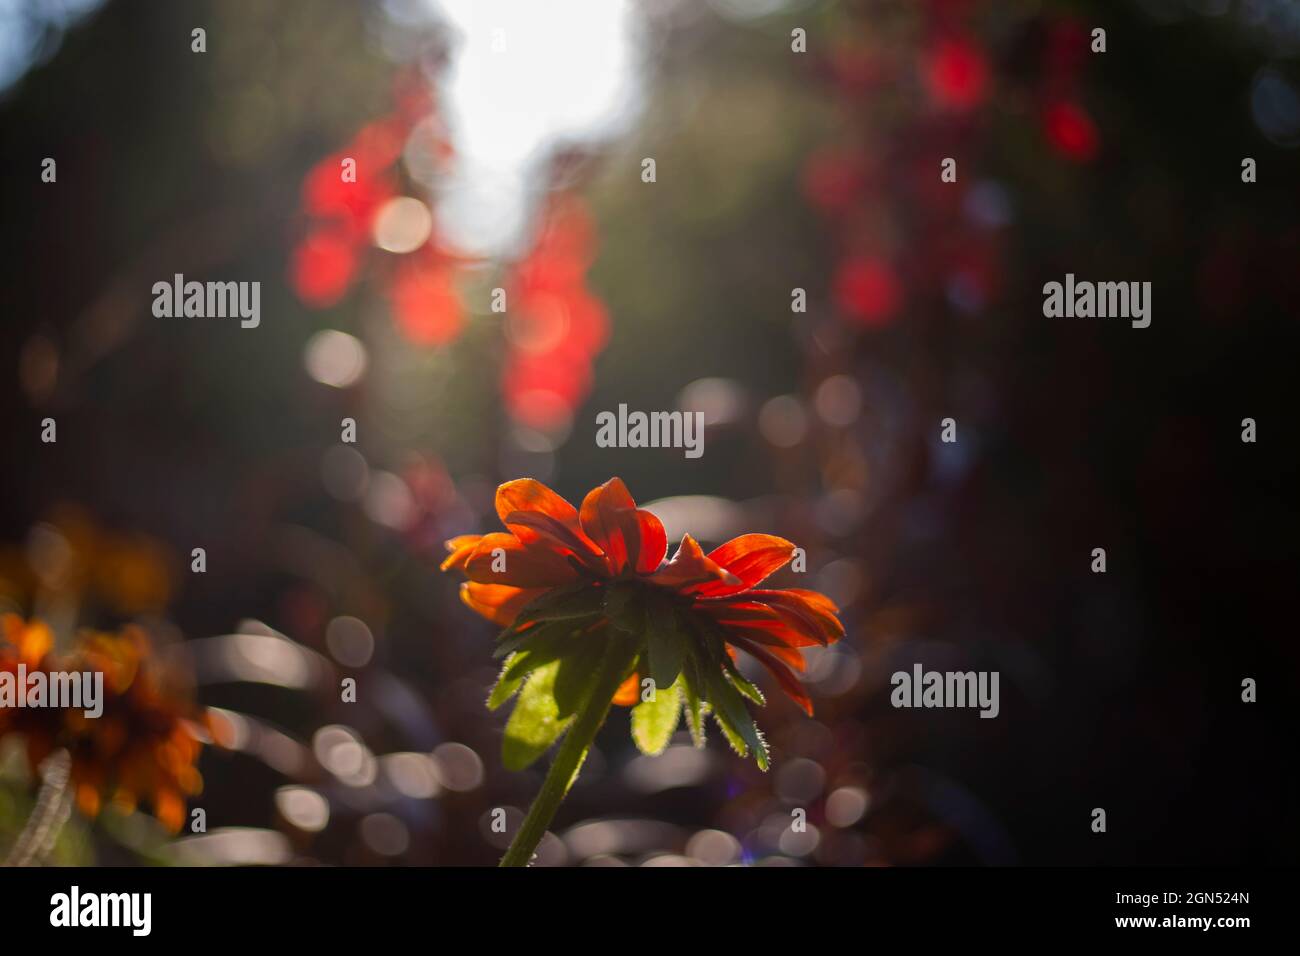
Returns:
(424,300)
(555,325)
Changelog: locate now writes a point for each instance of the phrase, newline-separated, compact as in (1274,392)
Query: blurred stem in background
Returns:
(53,806)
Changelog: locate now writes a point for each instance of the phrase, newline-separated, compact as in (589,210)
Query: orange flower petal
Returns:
(690,567)
(603,517)
(629,692)
(627,535)
(461,547)
(815,600)
(808,611)
(501,559)
(529,494)
(745,634)
(170,809)
(786,680)
(654,542)
(535,528)
(776,628)
(751,558)
(31,639)
(499,603)
(88,799)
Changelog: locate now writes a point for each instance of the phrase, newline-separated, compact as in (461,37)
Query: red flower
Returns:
(560,576)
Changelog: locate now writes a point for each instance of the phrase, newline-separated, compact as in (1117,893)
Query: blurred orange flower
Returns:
(145,743)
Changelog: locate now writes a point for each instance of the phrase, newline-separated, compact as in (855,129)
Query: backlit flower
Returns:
(566,581)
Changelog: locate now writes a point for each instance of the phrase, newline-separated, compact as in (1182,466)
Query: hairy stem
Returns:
(614,666)
(48,815)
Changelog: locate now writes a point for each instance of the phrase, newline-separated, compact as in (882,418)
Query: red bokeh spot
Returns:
(867,290)
(425,304)
(323,267)
(349,204)
(543,391)
(557,324)
(1071,131)
(957,74)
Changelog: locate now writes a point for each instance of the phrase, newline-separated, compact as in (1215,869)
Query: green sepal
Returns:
(742,684)
(695,709)
(507,685)
(562,604)
(664,643)
(577,672)
(626,610)
(545,634)
(734,718)
(655,721)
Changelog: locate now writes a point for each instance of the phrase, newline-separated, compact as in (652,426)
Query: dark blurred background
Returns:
(776,170)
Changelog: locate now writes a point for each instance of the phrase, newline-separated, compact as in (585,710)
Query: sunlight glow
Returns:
(526,78)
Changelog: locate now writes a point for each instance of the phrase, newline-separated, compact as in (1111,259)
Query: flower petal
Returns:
(751,558)
(654,542)
(775,627)
(461,547)
(499,603)
(808,611)
(629,692)
(502,559)
(603,517)
(690,568)
(31,639)
(537,529)
(548,516)
(776,648)
(529,494)
(787,681)
(627,535)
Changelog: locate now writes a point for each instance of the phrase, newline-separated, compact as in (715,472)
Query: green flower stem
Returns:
(613,669)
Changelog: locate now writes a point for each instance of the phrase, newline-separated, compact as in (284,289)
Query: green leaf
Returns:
(535,723)
(734,718)
(655,721)
(664,642)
